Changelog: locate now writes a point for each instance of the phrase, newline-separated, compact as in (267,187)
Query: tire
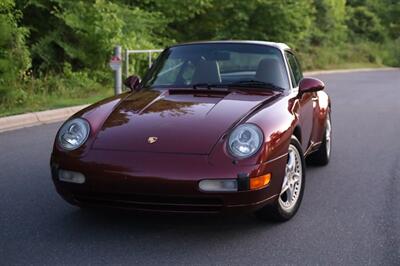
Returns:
(322,155)
(284,209)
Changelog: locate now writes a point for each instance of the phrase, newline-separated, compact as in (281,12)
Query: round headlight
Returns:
(73,134)
(245,140)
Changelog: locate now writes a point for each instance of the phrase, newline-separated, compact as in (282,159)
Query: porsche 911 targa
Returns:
(213,127)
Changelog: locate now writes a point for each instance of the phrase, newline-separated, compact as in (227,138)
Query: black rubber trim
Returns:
(243,182)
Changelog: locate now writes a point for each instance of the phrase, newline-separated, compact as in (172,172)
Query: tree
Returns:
(365,24)
(14,54)
(286,21)
(386,13)
(83,33)
(330,22)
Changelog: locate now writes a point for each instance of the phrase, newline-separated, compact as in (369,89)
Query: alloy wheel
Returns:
(328,135)
(292,182)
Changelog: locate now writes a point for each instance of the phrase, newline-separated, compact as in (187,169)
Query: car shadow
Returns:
(147,223)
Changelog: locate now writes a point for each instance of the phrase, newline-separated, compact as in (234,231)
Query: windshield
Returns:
(217,64)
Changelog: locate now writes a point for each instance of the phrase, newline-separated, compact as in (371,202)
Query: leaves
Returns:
(14,54)
(83,33)
(60,37)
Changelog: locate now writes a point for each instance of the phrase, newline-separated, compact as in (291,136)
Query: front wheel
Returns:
(292,190)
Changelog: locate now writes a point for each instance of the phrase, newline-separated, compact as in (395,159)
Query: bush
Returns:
(391,53)
(83,33)
(51,91)
(14,55)
(364,24)
(343,56)
(329,17)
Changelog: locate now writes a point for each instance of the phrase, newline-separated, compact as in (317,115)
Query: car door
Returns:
(306,101)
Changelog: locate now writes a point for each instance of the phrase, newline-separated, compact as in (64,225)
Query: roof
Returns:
(281,46)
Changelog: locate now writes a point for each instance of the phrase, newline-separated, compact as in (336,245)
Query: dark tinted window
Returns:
(294,65)
(217,63)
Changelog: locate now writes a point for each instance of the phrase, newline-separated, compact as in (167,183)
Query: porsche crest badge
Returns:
(152,140)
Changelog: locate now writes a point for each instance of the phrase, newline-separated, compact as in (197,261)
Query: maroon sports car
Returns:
(213,127)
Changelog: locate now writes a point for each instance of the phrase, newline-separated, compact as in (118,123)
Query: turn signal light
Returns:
(259,181)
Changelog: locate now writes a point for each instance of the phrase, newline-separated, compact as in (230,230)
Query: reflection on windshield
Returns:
(217,63)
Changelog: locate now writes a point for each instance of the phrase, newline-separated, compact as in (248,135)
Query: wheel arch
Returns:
(297,133)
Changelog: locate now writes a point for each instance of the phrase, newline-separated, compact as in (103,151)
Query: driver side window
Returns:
(295,70)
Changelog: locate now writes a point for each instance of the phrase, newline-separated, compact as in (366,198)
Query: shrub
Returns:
(14,55)
(83,33)
(364,24)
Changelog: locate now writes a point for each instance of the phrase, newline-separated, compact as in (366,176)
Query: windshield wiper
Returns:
(240,84)
(208,86)
(256,84)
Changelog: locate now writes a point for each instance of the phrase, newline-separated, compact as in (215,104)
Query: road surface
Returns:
(350,213)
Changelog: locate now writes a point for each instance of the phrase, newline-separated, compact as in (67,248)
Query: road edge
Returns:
(338,71)
(14,122)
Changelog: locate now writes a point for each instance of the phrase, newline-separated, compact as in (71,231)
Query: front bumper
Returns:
(161,182)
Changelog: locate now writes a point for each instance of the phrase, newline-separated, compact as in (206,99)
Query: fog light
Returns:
(260,181)
(71,177)
(223,185)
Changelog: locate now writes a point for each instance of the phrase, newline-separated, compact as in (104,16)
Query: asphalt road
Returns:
(350,213)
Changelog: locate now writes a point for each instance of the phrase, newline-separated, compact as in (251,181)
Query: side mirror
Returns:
(310,85)
(132,82)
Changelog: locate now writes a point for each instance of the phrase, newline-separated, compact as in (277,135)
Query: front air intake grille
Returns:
(153,202)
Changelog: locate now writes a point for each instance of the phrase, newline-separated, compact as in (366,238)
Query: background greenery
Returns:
(54,53)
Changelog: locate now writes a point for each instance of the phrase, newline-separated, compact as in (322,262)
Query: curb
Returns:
(37,118)
(45,117)
(337,71)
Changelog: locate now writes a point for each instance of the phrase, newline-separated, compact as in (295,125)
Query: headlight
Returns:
(245,140)
(73,134)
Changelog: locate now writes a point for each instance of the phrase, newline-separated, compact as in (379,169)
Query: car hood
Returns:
(175,121)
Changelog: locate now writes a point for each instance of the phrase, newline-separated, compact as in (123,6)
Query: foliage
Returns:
(365,24)
(329,17)
(83,33)
(274,20)
(55,52)
(14,54)
(386,11)
(342,55)
(52,91)
(177,13)
(391,53)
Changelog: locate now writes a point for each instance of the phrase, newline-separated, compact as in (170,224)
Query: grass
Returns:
(349,66)
(51,92)
(348,55)
(47,102)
